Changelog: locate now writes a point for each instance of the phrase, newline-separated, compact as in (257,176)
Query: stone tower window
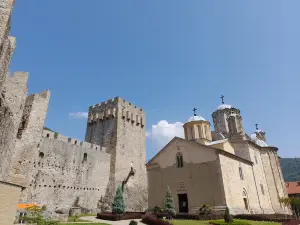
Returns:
(241,173)
(48,135)
(84,157)
(255,157)
(41,154)
(179,160)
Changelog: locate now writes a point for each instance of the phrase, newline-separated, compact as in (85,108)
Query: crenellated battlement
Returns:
(117,107)
(73,141)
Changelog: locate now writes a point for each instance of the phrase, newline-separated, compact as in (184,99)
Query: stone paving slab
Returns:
(121,222)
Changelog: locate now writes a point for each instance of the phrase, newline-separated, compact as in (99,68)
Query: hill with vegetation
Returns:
(290,169)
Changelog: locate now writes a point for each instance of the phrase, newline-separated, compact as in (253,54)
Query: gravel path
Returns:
(122,222)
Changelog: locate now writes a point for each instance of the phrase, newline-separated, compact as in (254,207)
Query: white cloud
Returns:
(78,115)
(163,132)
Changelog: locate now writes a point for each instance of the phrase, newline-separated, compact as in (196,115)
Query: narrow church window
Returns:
(246,203)
(199,131)
(192,133)
(179,160)
(262,189)
(241,173)
(48,135)
(255,157)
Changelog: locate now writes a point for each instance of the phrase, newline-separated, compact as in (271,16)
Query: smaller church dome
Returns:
(257,141)
(224,106)
(196,118)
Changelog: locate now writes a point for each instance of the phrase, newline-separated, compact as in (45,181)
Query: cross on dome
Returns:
(195,111)
(222,97)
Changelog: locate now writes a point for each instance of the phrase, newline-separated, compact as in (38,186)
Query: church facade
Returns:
(224,167)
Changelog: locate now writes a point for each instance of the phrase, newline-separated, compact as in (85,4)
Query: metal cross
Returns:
(222,97)
(195,111)
(256,125)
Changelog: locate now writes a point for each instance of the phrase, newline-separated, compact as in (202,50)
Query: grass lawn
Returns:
(84,223)
(199,222)
(71,218)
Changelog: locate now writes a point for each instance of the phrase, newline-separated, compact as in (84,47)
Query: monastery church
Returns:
(224,167)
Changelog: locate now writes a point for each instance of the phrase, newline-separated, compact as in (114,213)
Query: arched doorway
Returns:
(183,205)
(245,200)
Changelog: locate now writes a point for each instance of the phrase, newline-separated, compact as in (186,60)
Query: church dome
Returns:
(224,106)
(196,118)
(258,141)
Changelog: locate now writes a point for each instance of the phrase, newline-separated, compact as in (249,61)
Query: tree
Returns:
(227,216)
(292,204)
(169,203)
(118,206)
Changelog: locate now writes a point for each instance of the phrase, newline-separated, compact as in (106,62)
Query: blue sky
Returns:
(166,57)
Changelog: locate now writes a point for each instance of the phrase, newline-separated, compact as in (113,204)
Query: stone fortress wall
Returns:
(64,169)
(57,169)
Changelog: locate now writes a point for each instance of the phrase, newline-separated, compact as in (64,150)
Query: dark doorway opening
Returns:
(183,203)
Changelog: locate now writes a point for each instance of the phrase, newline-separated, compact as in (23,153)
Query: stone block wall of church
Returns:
(260,179)
(201,181)
(274,178)
(234,186)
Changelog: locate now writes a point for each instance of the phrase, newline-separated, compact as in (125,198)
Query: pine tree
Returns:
(169,203)
(118,206)
(227,216)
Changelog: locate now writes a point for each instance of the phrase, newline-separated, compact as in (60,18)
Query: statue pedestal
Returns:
(75,211)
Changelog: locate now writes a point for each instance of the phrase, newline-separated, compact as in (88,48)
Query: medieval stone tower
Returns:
(119,127)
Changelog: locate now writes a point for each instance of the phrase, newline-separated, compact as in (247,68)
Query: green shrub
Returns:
(169,203)
(118,206)
(132,222)
(35,216)
(227,216)
(205,210)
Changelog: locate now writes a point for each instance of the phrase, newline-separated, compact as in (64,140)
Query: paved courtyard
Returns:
(94,219)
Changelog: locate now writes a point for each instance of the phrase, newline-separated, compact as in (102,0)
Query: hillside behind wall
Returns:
(64,169)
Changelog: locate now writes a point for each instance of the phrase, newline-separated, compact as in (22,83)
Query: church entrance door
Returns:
(183,203)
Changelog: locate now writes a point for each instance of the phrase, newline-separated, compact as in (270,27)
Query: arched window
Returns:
(179,160)
(241,173)
(245,199)
(199,132)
